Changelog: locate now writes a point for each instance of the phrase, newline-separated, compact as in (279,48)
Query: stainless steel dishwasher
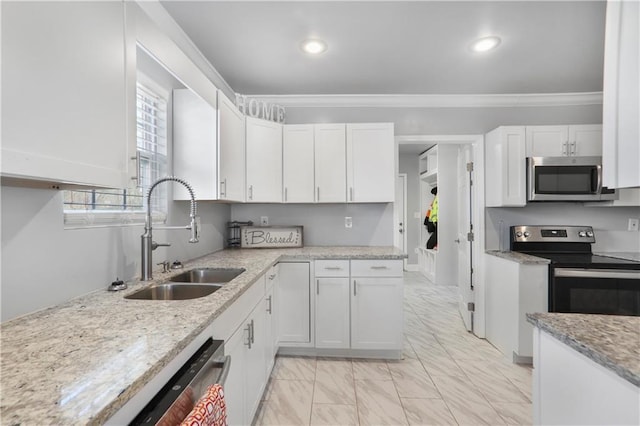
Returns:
(174,401)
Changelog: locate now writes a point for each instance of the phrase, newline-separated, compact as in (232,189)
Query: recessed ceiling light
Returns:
(486,43)
(314,46)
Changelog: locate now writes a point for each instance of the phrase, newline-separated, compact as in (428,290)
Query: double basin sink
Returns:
(190,284)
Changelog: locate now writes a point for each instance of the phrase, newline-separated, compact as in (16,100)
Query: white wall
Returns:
(609,223)
(324,223)
(44,264)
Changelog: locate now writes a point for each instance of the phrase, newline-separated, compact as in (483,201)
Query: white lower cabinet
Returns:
(271,329)
(294,304)
(332,304)
(234,386)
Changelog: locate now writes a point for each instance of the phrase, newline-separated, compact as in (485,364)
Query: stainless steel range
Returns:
(580,281)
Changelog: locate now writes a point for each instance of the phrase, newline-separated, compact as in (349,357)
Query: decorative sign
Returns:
(260,109)
(270,236)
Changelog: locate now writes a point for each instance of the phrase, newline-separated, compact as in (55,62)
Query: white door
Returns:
(234,385)
(330,156)
(586,140)
(264,161)
(294,298)
(376,313)
(399,213)
(465,229)
(256,363)
(547,141)
(332,313)
(231,132)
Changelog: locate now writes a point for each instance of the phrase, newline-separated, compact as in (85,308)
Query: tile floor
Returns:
(447,376)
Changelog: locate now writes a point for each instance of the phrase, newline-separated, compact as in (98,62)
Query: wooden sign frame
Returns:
(270,236)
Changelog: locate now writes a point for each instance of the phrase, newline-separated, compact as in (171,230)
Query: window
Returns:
(95,207)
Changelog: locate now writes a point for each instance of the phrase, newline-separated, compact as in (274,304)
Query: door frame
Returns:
(477,142)
(402,176)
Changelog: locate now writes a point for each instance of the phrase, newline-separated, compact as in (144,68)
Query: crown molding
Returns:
(434,101)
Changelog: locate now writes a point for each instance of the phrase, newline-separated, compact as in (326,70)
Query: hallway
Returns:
(447,376)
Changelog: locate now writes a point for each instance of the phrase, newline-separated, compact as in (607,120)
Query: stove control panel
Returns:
(552,233)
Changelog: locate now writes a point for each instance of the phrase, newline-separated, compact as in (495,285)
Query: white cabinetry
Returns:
(621,95)
(298,163)
(558,141)
(505,167)
(271,331)
(513,290)
(264,161)
(68,93)
(332,304)
(376,304)
(231,146)
(330,163)
(571,389)
(370,162)
(195,153)
(294,304)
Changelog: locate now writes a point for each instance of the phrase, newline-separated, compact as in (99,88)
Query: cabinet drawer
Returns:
(332,268)
(376,268)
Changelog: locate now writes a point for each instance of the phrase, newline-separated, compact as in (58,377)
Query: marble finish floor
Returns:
(447,377)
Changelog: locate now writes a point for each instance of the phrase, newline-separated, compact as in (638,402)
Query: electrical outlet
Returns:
(264,220)
(633,224)
(348,222)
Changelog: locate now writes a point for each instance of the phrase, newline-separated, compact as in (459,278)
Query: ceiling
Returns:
(398,47)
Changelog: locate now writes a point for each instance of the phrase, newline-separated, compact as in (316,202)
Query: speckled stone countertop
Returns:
(525,259)
(612,341)
(81,361)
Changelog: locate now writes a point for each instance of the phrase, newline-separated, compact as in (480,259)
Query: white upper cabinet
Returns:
(195,157)
(559,141)
(330,152)
(621,95)
(231,145)
(264,161)
(68,93)
(370,163)
(505,167)
(298,164)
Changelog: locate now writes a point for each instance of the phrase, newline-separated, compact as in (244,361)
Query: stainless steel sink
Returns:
(207,275)
(174,291)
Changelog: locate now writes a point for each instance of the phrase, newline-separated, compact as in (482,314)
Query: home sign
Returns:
(270,236)
(260,109)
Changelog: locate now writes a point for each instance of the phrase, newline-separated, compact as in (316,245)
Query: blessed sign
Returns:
(270,236)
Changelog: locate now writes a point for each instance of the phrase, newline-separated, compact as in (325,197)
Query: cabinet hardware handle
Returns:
(565,148)
(248,343)
(253,340)
(223,193)
(272,276)
(269,308)
(379,267)
(333,268)
(285,193)
(574,147)
(318,193)
(250,192)
(355,287)
(137,176)
(351,194)
(317,286)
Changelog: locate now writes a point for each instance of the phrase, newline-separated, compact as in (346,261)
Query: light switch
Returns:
(348,222)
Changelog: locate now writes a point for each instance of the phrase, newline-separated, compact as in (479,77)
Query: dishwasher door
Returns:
(177,398)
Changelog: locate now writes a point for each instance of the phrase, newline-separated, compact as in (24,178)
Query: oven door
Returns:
(566,179)
(595,291)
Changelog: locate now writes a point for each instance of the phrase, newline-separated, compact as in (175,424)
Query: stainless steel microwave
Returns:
(566,179)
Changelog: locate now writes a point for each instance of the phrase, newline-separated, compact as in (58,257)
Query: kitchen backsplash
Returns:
(609,223)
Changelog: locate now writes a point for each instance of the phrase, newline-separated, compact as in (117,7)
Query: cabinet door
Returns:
(297,172)
(330,155)
(585,140)
(332,313)
(231,133)
(270,331)
(67,91)
(505,167)
(234,386)
(195,150)
(294,298)
(376,313)
(264,161)
(547,141)
(255,368)
(370,163)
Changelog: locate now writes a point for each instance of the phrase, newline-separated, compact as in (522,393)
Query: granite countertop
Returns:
(612,341)
(81,361)
(522,258)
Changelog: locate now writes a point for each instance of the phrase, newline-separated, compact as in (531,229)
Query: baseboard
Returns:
(412,267)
